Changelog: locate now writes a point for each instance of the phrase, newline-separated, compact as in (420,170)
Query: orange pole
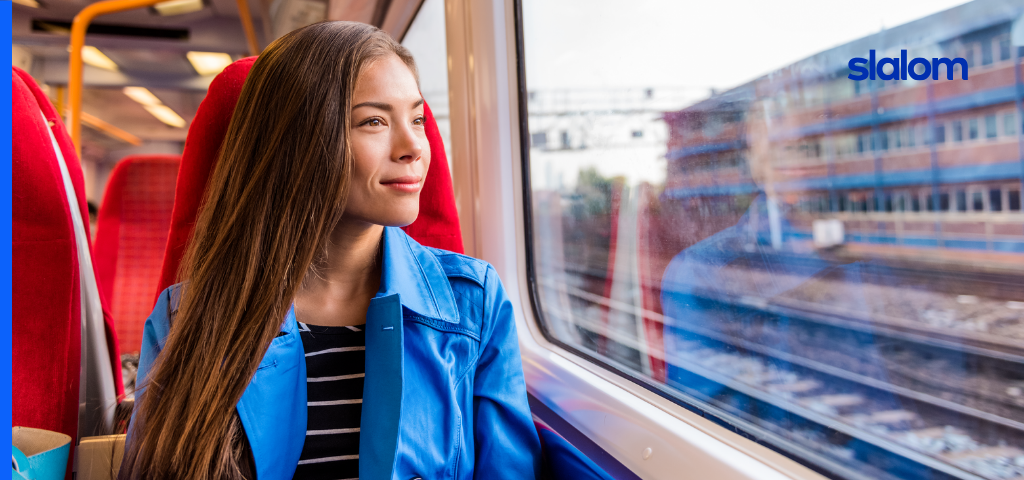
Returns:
(250,32)
(78,28)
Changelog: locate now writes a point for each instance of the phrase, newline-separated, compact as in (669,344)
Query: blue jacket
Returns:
(444,391)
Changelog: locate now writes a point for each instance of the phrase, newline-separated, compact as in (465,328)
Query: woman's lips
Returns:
(408,183)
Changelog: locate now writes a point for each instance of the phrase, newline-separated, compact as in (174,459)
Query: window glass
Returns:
(995,200)
(429,46)
(1008,124)
(675,153)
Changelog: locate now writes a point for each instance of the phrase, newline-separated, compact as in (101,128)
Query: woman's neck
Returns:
(338,289)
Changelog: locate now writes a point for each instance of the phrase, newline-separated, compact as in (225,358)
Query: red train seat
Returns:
(437,224)
(131,234)
(47,283)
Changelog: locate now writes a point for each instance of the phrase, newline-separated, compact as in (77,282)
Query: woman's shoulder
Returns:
(457,265)
(166,307)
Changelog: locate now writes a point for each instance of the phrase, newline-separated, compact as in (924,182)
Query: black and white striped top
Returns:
(335,367)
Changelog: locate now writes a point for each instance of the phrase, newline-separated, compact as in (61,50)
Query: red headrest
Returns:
(437,224)
(131,235)
(46,296)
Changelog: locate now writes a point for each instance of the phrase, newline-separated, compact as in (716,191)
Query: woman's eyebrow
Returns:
(385,106)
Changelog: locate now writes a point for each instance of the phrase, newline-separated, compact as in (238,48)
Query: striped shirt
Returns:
(335,366)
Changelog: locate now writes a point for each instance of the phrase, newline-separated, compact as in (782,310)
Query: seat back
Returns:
(131,235)
(437,224)
(52,284)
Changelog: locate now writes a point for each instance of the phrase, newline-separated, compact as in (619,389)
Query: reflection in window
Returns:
(784,272)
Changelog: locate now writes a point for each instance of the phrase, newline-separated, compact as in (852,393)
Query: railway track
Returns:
(882,417)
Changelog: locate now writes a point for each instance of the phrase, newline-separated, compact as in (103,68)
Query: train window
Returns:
(894,353)
(428,44)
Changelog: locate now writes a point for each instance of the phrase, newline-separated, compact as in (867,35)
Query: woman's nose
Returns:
(407,145)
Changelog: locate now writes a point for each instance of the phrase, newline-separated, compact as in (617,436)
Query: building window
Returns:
(944,202)
(972,128)
(883,137)
(1009,124)
(1004,49)
(940,133)
(978,201)
(990,126)
(910,136)
(539,139)
(986,52)
(958,130)
(995,200)
(1013,200)
(961,201)
(915,203)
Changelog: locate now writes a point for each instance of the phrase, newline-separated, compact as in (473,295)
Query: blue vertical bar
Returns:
(934,156)
(1019,93)
(5,222)
(877,201)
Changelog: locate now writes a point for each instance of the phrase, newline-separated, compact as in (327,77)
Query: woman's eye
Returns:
(373,122)
(418,121)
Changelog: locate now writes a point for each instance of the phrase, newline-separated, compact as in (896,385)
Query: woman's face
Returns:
(389,144)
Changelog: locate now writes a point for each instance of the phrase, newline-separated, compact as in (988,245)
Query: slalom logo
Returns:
(901,69)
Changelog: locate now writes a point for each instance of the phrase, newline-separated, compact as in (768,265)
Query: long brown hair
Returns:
(278,190)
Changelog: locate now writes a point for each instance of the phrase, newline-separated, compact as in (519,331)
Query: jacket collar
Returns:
(413,271)
(273,407)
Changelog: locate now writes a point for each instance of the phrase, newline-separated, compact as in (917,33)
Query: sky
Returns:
(700,44)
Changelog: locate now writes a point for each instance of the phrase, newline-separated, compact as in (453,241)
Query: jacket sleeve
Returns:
(154,334)
(507,445)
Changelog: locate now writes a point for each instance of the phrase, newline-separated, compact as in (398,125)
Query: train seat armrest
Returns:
(99,458)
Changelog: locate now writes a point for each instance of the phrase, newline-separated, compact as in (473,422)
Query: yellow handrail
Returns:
(250,31)
(78,29)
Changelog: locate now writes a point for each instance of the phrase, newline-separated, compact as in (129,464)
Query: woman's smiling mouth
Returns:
(407,183)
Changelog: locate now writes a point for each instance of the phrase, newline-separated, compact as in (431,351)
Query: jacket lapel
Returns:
(273,407)
(382,389)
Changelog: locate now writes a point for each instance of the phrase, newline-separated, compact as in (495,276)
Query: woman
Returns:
(256,367)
